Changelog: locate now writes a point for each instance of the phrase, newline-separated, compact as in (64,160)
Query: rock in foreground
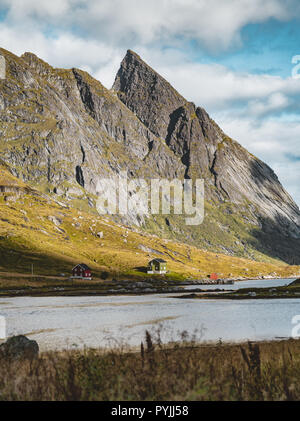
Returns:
(19,347)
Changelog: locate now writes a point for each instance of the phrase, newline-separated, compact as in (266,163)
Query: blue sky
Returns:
(232,57)
(266,48)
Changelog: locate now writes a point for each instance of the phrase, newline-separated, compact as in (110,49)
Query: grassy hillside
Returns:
(48,237)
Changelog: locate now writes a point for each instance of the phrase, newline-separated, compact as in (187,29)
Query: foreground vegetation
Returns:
(185,371)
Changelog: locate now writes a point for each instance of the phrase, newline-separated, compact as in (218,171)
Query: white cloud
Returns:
(94,36)
(216,23)
(215,86)
(22,9)
(276,101)
(65,50)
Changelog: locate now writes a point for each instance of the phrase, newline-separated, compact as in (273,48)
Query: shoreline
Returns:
(136,349)
(248,297)
(91,293)
(126,348)
(106,290)
(290,291)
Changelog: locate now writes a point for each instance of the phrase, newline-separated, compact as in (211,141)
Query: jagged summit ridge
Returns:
(202,146)
(132,71)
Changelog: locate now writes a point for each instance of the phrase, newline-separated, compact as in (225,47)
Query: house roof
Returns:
(158,260)
(85,267)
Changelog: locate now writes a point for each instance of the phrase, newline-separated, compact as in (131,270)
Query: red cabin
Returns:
(213,276)
(82,271)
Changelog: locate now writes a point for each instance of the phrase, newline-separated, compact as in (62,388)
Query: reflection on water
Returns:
(64,322)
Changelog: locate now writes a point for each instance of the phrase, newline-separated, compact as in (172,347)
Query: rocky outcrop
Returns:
(19,347)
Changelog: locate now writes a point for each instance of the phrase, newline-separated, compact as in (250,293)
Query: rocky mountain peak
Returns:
(61,130)
(230,172)
(146,93)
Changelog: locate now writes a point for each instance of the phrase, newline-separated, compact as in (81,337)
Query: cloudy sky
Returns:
(233,57)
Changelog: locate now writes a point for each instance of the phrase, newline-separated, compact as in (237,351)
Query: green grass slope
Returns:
(49,237)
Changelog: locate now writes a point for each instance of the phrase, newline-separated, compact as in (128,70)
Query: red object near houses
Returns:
(214,277)
(82,271)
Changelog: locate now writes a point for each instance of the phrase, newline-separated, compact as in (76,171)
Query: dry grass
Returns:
(184,371)
(28,237)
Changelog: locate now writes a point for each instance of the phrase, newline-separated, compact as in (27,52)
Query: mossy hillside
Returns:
(224,230)
(28,236)
(7,179)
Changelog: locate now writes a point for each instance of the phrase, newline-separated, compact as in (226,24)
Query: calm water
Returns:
(264,283)
(68,322)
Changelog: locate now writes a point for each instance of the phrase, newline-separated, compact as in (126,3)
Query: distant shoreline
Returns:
(106,289)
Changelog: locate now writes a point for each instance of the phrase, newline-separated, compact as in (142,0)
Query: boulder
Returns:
(56,221)
(19,347)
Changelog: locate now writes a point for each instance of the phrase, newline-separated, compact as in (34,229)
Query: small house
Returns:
(157,266)
(82,271)
(213,276)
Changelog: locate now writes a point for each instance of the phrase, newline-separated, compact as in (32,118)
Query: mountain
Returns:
(61,130)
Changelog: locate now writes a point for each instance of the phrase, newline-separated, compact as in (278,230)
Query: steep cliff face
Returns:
(203,148)
(61,130)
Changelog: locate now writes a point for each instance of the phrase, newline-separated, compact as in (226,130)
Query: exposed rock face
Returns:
(203,148)
(66,128)
(60,130)
(19,347)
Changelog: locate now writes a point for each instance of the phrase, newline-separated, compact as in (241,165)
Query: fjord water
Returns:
(69,322)
(253,283)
